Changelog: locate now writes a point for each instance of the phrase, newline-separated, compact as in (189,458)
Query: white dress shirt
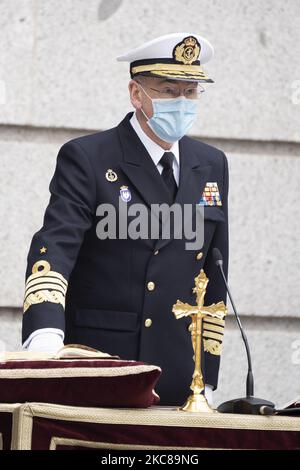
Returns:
(45,340)
(156,151)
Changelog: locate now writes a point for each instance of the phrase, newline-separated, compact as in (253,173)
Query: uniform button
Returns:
(148,322)
(156,252)
(199,255)
(150,285)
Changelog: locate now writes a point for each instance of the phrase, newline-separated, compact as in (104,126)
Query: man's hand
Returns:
(46,342)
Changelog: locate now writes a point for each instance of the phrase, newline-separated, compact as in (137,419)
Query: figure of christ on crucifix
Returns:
(197,401)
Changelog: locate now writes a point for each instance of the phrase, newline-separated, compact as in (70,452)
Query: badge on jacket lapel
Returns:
(125,193)
(211,195)
(111,175)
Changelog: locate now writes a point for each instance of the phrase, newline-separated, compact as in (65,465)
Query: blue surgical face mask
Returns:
(172,118)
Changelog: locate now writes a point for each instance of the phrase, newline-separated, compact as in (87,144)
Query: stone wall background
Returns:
(59,79)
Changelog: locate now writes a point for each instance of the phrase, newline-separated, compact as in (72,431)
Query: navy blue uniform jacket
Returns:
(97,290)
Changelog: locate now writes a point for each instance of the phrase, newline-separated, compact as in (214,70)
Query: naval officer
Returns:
(116,294)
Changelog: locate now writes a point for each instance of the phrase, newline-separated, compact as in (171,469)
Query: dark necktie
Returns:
(167,174)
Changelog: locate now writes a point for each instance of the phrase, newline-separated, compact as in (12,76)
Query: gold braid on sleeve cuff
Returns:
(44,285)
(213,330)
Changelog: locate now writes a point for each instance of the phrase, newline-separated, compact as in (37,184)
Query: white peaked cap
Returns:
(175,56)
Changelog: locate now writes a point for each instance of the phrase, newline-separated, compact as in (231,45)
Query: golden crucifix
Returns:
(197,401)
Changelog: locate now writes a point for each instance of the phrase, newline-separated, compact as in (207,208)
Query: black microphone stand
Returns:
(248,404)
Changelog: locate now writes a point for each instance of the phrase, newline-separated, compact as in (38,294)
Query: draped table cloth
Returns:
(43,426)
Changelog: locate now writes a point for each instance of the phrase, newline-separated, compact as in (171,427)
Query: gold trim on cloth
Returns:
(41,287)
(214,320)
(211,327)
(75,372)
(154,416)
(22,428)
(179,75)
(212,346)
(176,69)
(44,285)
(8,408)
(211,335)
(63,441)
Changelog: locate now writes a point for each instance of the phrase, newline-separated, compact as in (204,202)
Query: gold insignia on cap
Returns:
(187,51)
(111,175)
(43,250)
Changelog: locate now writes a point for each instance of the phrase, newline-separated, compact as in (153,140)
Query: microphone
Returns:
(248,404)
(269,411)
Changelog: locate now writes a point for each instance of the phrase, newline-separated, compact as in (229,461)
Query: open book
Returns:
(70,351)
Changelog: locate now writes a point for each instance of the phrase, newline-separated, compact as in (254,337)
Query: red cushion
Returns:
(79,382)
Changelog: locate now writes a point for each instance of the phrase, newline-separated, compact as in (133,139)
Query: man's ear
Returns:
(135,94)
